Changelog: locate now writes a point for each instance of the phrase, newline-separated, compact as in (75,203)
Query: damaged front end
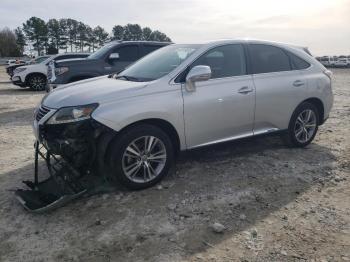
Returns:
(69,149)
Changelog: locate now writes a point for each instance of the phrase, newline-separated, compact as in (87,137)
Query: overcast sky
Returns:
(322,25)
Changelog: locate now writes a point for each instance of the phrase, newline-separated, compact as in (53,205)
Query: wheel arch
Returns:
(319,105)
(34,73)
(164,125)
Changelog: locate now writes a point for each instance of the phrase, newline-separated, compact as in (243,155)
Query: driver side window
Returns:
(224,61)
(129,53)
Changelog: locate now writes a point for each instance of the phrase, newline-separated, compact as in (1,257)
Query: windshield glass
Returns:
(158,63)
(100,52)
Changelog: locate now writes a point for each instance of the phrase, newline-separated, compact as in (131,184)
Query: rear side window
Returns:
(129,53)
(224,61)
(150,48)
(297,62)
(266,59)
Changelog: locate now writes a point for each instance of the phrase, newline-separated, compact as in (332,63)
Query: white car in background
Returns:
(35,75)
(327,61)
(11,62)
(342,62)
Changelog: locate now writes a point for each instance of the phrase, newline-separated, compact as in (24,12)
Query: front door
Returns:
(221,108)
(127,55)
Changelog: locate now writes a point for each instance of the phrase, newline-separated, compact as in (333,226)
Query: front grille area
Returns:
(41,112)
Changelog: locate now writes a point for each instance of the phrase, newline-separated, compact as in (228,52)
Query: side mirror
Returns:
(197,74)
(114,56)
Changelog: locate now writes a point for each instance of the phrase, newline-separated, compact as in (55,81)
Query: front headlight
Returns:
(61,70)
(72,114)
(19,69)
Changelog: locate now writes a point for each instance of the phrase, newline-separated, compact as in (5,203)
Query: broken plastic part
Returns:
(64,184)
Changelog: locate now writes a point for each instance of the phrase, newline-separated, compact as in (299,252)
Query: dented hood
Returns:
(93,90)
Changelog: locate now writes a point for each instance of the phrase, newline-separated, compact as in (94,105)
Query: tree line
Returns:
(71,35)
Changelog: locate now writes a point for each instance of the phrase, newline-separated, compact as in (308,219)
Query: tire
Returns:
(37,82)
(132,165)
(303,125)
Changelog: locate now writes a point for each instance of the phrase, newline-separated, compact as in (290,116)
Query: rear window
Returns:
(297,62)
(266,59)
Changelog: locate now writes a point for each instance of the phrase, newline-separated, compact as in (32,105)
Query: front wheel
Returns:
(37,82)
(303,125)
(141,156)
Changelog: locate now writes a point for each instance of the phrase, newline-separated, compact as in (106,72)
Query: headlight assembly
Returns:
(19,69)
(61,70)
(72,114)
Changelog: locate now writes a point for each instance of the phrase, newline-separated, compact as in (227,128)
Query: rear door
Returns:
(221,108)
(279,86)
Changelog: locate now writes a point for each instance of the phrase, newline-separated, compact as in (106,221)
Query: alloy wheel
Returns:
(144,159)
(37,83)
(305,126)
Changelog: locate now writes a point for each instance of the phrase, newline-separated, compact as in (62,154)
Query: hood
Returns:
(74,61)
(93,90)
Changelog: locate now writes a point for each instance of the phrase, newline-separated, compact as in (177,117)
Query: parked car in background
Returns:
(327,61)
(11,68)
(180,97)
(34,76)
(342,61)
(111,58)
(10,62)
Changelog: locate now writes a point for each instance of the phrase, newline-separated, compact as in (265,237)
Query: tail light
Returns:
(329,74)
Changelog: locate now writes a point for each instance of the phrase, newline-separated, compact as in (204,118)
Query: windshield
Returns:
(100,52)
(158,63)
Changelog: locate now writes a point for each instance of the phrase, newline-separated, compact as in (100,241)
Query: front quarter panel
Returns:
(158,101)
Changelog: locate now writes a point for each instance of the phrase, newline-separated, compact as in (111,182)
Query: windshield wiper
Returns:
(128,78)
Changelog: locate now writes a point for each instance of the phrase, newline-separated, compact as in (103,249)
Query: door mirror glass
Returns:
(114,56)
(197,74)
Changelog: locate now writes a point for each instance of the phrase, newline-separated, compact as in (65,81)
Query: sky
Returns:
(321,25)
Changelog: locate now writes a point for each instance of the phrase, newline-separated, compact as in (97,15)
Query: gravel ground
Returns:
(252,200)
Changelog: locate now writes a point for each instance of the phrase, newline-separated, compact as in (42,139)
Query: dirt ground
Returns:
(276,203)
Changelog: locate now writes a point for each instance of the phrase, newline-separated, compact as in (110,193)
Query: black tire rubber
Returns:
(289,136)
(119,144)
(33,87)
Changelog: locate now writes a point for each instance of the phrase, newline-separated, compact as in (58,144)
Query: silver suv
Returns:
(131,125)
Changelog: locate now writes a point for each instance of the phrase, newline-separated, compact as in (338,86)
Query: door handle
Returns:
(245,90)
(298,83)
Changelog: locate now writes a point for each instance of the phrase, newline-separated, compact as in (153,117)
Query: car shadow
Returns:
(254,177)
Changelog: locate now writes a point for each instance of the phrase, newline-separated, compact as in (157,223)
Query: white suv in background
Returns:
(35,76)
(342,62)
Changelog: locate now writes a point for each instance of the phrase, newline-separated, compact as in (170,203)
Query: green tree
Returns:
(159,36)
(54,33)
(64,34)
(146,33)
(20,39)
(8,46)
(101,35)
(132,32)
(118,32)
(72,30)
(36,31)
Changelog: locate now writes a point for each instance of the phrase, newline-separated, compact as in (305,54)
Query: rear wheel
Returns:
(141,156)
(303,125)
(37,82)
